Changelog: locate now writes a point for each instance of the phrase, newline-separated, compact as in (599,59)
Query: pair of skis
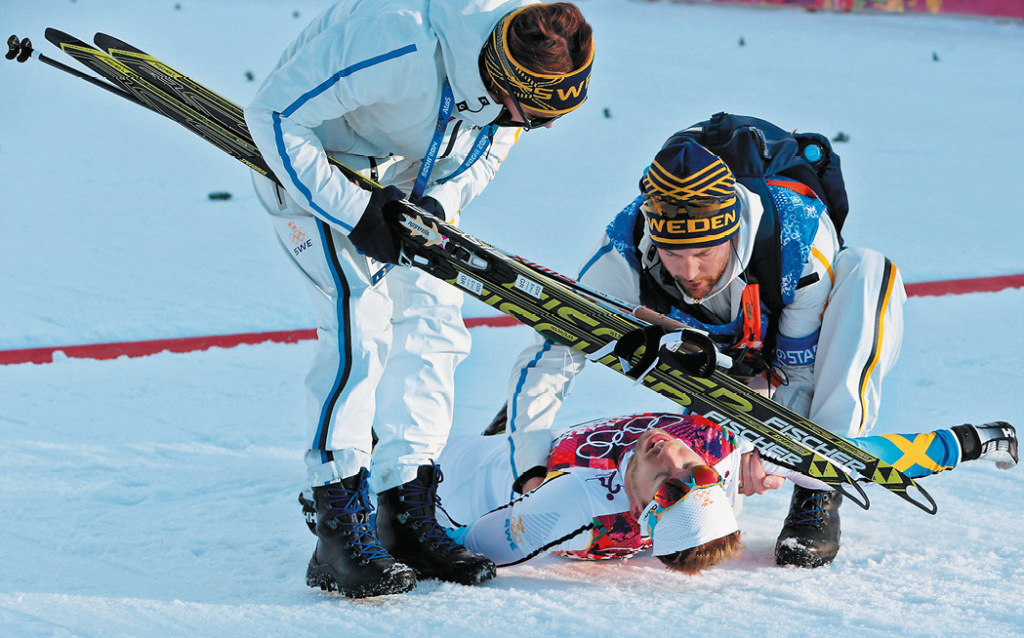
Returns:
(556,306)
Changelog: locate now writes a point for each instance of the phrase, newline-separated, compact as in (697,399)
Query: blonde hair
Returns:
(696,559)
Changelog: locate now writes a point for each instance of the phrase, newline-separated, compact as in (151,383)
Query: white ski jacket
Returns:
(542,375)
(363,83)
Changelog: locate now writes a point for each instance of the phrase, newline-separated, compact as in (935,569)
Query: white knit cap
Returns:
(702,515)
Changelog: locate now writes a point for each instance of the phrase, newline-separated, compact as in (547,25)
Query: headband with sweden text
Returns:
(546,94)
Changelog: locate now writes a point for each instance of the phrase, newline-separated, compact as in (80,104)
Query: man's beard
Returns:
(702,286)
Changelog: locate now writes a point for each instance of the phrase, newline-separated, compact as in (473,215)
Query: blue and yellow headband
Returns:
(548,94)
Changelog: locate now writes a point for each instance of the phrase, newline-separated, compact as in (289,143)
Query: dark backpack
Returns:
(756,150)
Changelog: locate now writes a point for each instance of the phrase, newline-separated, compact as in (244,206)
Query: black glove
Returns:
(372,236)
(431,206)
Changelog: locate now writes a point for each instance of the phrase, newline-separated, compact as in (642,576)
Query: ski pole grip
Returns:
(26,50)
(655,318)
(14,46)
(18,48)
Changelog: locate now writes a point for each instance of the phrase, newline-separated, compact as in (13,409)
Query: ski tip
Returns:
(58,37)
(55,33)
(110,43)
(101,40)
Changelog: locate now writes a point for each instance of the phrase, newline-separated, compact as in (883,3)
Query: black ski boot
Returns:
(996,441)
(407,527)
(348,557)
(810,536)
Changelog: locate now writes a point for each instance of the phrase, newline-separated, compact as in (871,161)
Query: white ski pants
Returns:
(861,334)
(385,355)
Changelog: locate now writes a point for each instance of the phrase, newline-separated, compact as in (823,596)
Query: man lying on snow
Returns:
(664,481)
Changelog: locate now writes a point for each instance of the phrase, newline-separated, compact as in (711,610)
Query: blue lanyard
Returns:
(447,103)
(483,141)
(480,146)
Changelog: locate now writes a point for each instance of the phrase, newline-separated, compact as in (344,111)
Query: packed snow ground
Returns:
(156,496)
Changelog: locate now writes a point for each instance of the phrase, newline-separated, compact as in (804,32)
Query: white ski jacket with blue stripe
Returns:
(365,80)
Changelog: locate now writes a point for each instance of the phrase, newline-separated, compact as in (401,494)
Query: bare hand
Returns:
(753,479)
(532,484)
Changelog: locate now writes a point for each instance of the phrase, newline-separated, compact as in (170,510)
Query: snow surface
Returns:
(156,496)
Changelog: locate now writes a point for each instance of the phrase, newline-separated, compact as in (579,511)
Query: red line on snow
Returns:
(143,348)
(193,344)
(964,286)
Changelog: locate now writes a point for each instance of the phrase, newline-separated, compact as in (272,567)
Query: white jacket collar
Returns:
(462,28)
